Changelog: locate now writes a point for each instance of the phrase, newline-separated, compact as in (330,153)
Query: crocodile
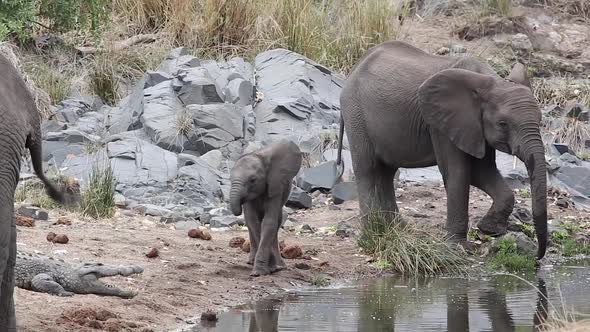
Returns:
(56,277)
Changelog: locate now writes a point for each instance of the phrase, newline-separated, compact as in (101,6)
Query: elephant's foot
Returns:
(462,243)
(278,267)
(492,226)
(260,270)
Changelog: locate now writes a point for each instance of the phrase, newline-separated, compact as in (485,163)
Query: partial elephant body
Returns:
(403,107)
(260,186)
(19,129)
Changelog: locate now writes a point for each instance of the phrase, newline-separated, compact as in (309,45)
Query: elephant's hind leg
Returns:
(489,179)
(8,246)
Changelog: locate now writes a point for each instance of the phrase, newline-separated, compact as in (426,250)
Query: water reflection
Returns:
(502,303)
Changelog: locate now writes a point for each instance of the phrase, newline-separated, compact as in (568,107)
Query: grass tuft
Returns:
(500,7)
(408,249)
(511,259)
(320,280)
(98,200)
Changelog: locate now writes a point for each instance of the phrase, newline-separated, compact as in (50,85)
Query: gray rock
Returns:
(72,136)
(344,191)
(55,152)
(239,92)
(524,244)
(249,123)
(299,199)
(322,176)
(300,97)
(154,210)
(578,111)
(178,58)
(185,159)
(136,161)
(224,221)
(33,212)
(213,158)
(91,123)
(185,225)
(126,116)
(523,214)
(520,41)
(120,200)
(70,110)
(457,49)
(207,178)
(52,126)
(161,115)
(198,88)
(332,154)
(156,77)
(216,126)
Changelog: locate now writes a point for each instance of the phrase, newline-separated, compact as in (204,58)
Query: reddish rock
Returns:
(236,242)
(51,236)
(63,221)
(199,234)
(282,245)
(153,253)
(246,246)
(61,238)
(25,221)
(302,266)
(292,252)
(195,233)
(324,263)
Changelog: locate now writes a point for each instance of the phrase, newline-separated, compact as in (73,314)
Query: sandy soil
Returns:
(193,275)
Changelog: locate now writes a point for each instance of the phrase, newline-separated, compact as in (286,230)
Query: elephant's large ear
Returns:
(282,167)
(449,103)
(519,75)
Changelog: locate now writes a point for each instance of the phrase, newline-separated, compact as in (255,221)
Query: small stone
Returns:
(246,246)
(443,51)
(302,266)
(324,263)
(24,221)
(562,202)
(523,214)
(520,41)
(63,221)
(153,253)
(282,245)
(209,316)
(205,235)
(41,215)
(292,252)
(236,242)
(195,233)
(306,257)
(305,228)
(299,199)
(51,236)
(61,238)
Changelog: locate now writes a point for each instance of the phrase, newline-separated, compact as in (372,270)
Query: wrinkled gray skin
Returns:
(19,129)
(48,275)
(403,107)
(261,184)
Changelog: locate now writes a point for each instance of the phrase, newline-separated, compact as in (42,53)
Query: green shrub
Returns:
(511,259)
(98,200)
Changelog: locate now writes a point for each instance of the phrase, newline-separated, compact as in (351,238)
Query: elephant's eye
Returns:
(503,124)
(252,180)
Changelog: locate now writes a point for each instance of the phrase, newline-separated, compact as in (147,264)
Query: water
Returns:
(495,303)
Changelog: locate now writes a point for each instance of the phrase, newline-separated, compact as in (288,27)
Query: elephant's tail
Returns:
(35,148)
(339,163)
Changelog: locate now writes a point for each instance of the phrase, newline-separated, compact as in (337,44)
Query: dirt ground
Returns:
(193,275)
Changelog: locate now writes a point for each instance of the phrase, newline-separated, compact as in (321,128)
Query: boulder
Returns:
(216,126)
(344,191)
(198,87)
(299,97)
(299,199)
(322,176)
(70,110)
(127,115)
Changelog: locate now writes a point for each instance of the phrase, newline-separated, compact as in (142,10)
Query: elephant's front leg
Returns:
(455,167)
(268,237)
(489,179)
(253,222)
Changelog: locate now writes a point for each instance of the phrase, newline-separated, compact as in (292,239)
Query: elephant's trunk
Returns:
(235,197)
(533,156)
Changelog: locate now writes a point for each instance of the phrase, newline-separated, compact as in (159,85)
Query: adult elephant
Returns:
(403,107)
(19,129)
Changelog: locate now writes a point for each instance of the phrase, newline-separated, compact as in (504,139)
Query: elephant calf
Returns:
(261,184)
(19,129)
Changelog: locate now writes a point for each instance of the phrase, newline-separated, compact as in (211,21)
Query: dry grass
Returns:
(500,7)
(408,249)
